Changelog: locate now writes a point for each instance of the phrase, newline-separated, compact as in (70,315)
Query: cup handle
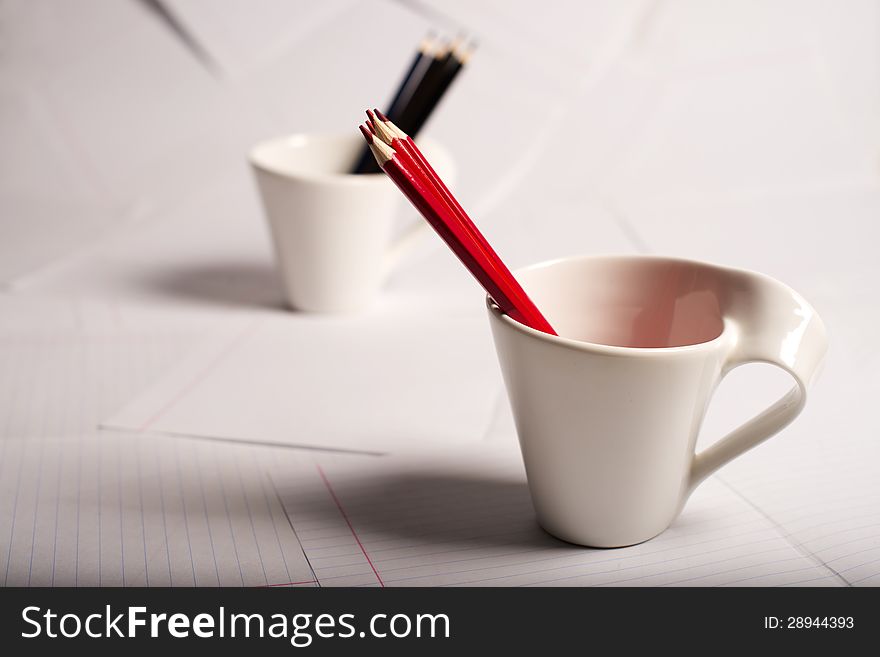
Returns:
(769,323)
(404,242)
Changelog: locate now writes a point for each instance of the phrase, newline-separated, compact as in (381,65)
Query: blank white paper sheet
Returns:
(369,384)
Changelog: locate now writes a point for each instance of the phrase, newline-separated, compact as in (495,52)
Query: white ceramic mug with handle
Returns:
(332,230)
(609,411)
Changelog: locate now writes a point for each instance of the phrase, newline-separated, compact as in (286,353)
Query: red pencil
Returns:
(400,141)
(415,177)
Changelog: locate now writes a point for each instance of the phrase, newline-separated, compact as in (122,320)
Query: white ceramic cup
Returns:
(608,412)
(332,230)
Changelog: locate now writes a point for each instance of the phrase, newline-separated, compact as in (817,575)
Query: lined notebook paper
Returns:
(87,508)
(80,507)
(118,510)
(464,518)
(826,503)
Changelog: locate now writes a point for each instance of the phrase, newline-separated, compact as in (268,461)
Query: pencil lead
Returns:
(381,116)
(368,136)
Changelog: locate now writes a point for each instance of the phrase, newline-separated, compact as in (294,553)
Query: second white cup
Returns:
(332,230)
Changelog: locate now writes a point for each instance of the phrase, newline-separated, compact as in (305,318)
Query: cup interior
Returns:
(629,301)
(308,155)
(329,158)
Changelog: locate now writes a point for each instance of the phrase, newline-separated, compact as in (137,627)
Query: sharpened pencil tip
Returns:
(381,151)
(465,56)
(366,133)
(381,116)
(428,43)
(381,129)
(371,116)
(388,124)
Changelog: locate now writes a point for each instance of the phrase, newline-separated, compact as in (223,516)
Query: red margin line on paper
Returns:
(348,522)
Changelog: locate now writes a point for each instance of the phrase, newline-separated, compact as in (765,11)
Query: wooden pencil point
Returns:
(443,49)
(381,151)
(382,131)
(391,127)
(457,45)
(428,43)
(463,54)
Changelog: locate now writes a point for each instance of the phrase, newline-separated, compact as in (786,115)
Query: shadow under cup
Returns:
(629,301)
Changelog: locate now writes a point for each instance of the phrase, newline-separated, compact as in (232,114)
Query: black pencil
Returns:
(413,77)
(423,97)
(429,77)
(408,88)
(421,112)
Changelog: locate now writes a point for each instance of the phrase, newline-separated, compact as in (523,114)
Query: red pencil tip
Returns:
(371,116)
(381,116)
(366,133)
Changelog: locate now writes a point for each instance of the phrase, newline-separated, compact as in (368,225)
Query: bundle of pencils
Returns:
(431,73)
(400,158)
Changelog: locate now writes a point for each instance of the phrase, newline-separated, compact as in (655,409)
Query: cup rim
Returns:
(299,139)
(618,350)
